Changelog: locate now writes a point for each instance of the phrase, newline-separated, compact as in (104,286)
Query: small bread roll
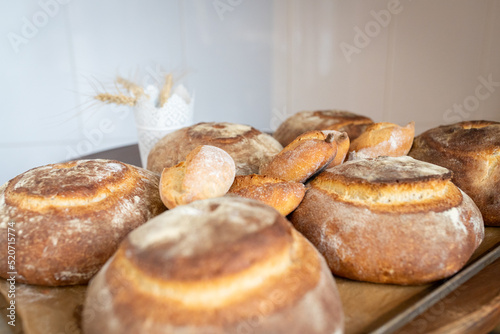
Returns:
(221,265)
(390,220)
(249,147)
(207,172)
(304,121)
(343,144)
(471,150)
(383,139)
(67,219)
(284,196)
(302,158)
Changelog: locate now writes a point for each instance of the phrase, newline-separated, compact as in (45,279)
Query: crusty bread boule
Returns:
(390,220)
(471,149)
(248,147)
(207,172)
(67,219)
(222,265)
(303,121)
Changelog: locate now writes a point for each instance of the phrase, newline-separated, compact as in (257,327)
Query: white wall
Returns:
(421,62)
(253,62)
(51,72)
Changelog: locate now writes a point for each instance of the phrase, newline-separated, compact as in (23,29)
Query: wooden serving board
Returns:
(470,307)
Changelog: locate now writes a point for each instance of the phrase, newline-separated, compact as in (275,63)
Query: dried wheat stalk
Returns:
(165,91)
(133,88)
(120,99)
(136,91)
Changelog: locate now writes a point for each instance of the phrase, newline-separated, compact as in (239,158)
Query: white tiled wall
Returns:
(416,63)
(253,62)
(48,115)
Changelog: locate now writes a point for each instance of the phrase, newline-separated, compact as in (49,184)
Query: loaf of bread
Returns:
(343,144)
(221,265)
(207,172)
(471,150)
(305,156)
(248,147)
(390,220)
(383,139)
(67,219)
(304,121)
(282,195)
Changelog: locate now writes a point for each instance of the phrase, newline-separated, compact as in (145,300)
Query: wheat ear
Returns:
(165,91)
(116,98)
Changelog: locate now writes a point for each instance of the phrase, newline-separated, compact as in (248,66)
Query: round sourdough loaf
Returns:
(472,151)
(248,147)
(67,219)
(390,220)
(303,121)
(222,265)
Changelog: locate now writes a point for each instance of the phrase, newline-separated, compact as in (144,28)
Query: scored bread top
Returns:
(396,184)
(469,137)
(84,185)
(222,132)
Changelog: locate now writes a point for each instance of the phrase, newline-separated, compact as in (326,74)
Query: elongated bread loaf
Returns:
(67,219)
(221,265)
(308,154)
(390,220)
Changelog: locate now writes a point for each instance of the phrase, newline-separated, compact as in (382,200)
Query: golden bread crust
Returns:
(305,156)
(403,185)
(471,150)
(390,225)
(272,272)
(207,172)
(383,139)
(343,144)
(69,218)
(304,121)
(248,147)
(282,195)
